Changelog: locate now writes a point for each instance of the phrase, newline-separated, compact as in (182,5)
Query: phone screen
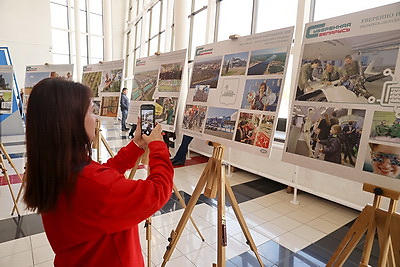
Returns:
(147,118)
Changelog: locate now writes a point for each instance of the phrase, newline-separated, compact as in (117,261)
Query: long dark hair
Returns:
(56,141)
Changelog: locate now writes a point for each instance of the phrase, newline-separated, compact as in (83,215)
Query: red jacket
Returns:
(99,226)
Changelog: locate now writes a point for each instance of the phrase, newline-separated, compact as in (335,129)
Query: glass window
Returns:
(153,46)
(59,16)
(96,46)
(326,9)
(200,4)
(138,33)
(96,6)
(199,30)
(162,42)
(267,20)
(155,19)
(82,21)
(164,15)
(235,18)
(96,24)
(62,2)
(60,41)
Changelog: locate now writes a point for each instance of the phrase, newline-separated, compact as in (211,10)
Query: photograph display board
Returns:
(36,73)
(235,90)
(345,114)
(157,80)
(105,80)
(6,89)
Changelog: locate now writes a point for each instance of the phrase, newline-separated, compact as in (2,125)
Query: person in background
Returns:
(332,146)
(90,211)
(180,156)
(124,109)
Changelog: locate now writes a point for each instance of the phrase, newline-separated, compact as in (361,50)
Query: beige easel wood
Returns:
(373,219)
(214,182)
(4,171)
(99,138)
(144,159)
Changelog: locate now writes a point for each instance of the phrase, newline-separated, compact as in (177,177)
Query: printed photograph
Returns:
(247,128)
(109,106)
(264,131)
(326,133)
(5,102)
(206,72)
(170,77)
(6,81)
(351,70)
(96,107)
(201,93)
(144,85)
(385,127)
(383,159)
(166,109)
(220,122)
(32,78)
(235,64)
(93,80)
(261,94)
(111,80)
(193,118)
(267,61)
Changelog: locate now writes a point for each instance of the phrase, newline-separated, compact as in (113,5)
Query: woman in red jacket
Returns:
(90,212)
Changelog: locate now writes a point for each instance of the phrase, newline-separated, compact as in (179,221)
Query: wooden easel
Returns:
(373,219)
(4,171)
(144,159)
(213,181)
(97,141)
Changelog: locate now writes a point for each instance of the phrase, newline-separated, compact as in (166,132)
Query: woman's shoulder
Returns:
(99,174)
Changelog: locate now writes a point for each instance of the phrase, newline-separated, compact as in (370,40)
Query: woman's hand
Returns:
(154,136)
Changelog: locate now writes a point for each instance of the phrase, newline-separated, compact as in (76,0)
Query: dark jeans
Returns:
(123,119)
(180,155)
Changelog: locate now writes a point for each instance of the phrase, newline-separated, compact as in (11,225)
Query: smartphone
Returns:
(147,112)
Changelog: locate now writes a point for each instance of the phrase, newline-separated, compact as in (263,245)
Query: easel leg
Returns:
(175,235)
(107,146)
(182,202)
(242,221)
(222,236)
(148,238)
(4,171)
(352,238)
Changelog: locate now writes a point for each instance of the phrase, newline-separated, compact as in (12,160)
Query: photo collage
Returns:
(234,97)
(157,80)
(105,80)
(345,105)
(6,89)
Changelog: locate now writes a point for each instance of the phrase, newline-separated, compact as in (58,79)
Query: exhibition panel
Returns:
(158,79)
(345,114)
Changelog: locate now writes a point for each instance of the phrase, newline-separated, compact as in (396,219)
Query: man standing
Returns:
(306,72)
(124,109)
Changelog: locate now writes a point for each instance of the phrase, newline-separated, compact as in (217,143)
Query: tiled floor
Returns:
(285,234)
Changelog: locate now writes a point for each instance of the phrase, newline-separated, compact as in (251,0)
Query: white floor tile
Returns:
(205,256)
(23,259)
(270,230)
(15,246)
(42,254)
(39,240)
(308,233)
(323,225)
(286,223)
(292,241)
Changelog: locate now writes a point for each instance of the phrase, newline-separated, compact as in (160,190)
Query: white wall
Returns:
(26,31)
